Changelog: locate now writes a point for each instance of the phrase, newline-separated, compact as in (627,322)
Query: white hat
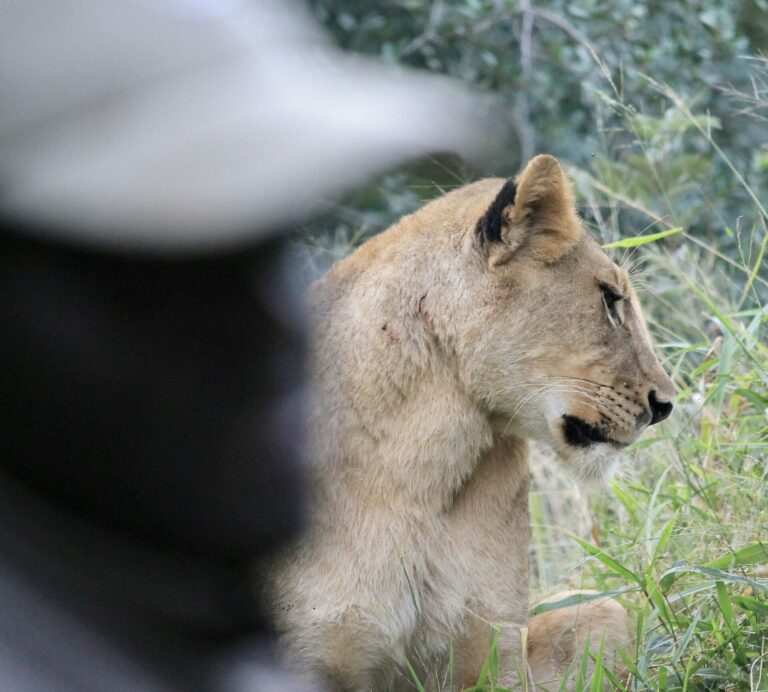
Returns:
(186,124)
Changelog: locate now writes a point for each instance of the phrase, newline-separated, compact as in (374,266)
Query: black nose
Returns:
(660,410)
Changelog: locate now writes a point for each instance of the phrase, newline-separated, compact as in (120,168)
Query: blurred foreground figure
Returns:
(151,335)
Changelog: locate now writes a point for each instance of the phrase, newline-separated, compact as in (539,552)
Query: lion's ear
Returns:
(536,212)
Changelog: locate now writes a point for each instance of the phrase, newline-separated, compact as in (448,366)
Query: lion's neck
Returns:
(392,417)
(412,451)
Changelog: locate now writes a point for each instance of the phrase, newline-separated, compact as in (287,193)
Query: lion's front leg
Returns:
(557,640)
(487,531)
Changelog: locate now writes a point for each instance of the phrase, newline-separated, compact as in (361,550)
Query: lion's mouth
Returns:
(579,433)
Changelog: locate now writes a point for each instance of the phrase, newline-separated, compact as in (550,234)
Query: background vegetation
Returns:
(660,110)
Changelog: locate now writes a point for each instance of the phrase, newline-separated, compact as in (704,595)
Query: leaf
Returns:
(491,661)
(750,604)
(648,441)
(725,606)
(724,321)
(631,665)
(754,554)
(685,640)
(628,501)
(660,645)
(656,597)
(576,599)
(666,534)
(415,677)
(597,672)
(644,239)
(757,399)
(651,511)
(607,560)
(667,578)
(724,602)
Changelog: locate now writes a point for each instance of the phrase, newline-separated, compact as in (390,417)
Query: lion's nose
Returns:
(660,409)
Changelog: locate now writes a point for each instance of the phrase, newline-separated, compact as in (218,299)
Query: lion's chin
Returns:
(593,465)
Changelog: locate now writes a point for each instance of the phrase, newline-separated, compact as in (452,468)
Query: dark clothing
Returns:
(158,396)
(85,608)
(150,444)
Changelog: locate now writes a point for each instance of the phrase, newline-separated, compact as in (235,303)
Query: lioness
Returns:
(486,318)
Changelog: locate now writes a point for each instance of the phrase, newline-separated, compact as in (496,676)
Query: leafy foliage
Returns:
(584,81)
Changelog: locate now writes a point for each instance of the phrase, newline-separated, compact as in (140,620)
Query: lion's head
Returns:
(548,331)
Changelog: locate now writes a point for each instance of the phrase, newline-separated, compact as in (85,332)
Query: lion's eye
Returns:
(614,304)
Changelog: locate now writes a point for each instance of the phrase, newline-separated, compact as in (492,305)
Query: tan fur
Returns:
(436,355)
(557,638)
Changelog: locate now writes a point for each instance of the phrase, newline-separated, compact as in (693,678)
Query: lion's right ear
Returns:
(535,211)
